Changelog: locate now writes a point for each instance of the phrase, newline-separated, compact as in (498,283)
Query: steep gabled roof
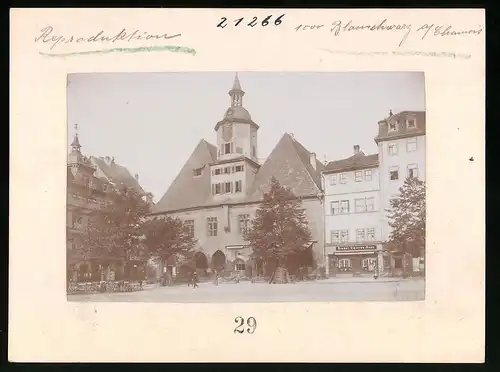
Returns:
(188,190)
(357,161)
(117,174)
(290,164)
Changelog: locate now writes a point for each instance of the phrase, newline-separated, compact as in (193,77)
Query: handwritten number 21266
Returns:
(253,22)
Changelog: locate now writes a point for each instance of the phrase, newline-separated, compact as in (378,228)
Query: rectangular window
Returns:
(411,144)
(370,234)
(189,227)
(197,172)
(335,207)
(360,235)
(393,126)
(227,170)
(358,176)
(227,148)
(368,175)
(394,173)
(217,171)
(343,178)
(335,236)
(254,153)
(410,123)
(227,187)
(370,204)
(212,226)
(344,206)
(344,263)
(216,188)
(239,168)
(359,205)
(413,171)
(237,186)
(344,236)
(393,149)
(333,179)
(244,223)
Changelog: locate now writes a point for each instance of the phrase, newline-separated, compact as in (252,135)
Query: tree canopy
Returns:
(407,217)
(166,237)
(114,231)
(280,225)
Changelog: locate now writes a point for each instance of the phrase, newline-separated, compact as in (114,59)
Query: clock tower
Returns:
(236,164)
(236,132)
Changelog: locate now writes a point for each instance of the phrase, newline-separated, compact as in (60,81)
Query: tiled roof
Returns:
(357,161)
(289,163)
(402,130)
(187,190)
(117,174)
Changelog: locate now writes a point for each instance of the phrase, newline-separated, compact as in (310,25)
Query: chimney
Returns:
(312,158)
(356,149)
(390,113)
(136,176)
(291,135)
(108,160)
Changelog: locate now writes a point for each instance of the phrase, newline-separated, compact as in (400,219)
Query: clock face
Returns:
(227,132)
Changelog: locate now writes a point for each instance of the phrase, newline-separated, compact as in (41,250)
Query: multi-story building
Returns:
(358,191)
(220,187)
(353,232)
(88,192)
(401,151)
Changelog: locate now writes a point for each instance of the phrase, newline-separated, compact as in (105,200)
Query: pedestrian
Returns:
(216,277)
(195,280)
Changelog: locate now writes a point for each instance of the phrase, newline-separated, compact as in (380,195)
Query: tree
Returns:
(114,231)
(279,228)
(166,237)
(407,217)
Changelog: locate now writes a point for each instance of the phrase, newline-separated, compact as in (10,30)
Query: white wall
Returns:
(350,191)
(210,244)
(403,158)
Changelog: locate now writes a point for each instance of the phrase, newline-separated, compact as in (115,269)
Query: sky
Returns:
(152,122)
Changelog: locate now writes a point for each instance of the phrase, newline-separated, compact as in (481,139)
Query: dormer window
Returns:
(411,123)
(393,126)
(197,172)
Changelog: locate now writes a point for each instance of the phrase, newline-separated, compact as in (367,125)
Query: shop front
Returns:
(354,259)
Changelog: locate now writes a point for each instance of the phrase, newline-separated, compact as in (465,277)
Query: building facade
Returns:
(221,186)
(353,223)
(87,192)
(401,150)
(358,191)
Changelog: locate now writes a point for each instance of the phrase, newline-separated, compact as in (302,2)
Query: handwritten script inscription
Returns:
(340,27)
(48,36)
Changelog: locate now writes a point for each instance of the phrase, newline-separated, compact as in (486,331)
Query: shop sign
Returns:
(356,248)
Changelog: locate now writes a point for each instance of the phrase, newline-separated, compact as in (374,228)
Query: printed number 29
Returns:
(240,328)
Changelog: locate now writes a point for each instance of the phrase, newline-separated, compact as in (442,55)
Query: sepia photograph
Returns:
(220,187)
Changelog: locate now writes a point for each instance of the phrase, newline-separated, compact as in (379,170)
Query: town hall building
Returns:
(220,187)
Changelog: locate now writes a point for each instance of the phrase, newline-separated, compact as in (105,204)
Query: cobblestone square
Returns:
(322,290)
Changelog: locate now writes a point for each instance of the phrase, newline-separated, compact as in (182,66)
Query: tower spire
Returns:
(75,145)
(236,93)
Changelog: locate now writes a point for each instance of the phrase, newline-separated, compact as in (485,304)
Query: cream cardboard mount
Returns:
(215,122)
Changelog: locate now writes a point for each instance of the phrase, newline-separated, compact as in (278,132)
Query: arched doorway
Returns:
(218,260)
(201,263)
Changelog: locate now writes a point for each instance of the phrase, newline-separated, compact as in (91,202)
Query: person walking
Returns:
(195,280)
(216,278)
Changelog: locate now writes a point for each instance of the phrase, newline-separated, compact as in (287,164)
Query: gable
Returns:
(189,190)
(289,163)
